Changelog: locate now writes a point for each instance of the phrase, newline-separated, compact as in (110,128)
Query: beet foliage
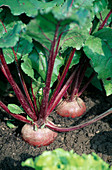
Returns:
(53,45)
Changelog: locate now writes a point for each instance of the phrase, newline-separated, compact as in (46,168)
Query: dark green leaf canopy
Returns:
(98,49)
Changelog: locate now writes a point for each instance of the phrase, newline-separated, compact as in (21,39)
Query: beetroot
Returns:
(46,89)
(41,137)
(74,108)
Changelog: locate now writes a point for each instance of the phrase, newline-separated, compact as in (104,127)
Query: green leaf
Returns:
(77,10)
(46,7)
(83,4)
(58,63)
(64,160)
(109,4)
(10,124)
(39,97)
(75,37)
(9,56)
(37,85)
(94,51)
(24,43)
(63,10)
(43,29)
(75,59)
(74,26)
(39,62)
(22,48)
(30,7)
(99,5)
(38,90)
(7,21)
(98,49)
(103,13)
(29,162)
(19,7)
(100,16)
(95,81)
(15,109)
(28,118)
(108,86)
(27,67)
(105,34)
(10,39)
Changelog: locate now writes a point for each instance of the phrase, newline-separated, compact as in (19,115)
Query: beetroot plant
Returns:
(53,45)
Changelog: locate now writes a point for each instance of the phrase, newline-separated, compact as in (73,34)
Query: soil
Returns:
(94,138)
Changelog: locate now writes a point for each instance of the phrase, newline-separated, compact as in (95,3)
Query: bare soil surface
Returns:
(94,138)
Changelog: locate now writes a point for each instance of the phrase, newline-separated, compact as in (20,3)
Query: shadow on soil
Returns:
(11,164)
(102,142)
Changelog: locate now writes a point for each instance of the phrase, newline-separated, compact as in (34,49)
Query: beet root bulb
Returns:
(72,109)
(41,137)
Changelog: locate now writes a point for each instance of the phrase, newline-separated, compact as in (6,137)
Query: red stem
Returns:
(79,79)
(57,47)
(51,60)
(19,117)
(60,82)
(3,70)
(101,17)
(23,82)
(3,25)
(71,3)
(86,85)
(75,88)
(60,129)
(66,93)
(34,99)
(21,78)
(82,75)
(16,89)
(105,20)
(61,93)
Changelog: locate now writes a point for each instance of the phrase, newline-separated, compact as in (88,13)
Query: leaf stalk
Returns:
(60,129)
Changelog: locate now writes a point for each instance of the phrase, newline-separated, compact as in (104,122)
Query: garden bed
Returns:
(94,138)
(54,45)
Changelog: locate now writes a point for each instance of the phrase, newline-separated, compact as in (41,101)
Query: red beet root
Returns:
(41,137)
(72,109)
